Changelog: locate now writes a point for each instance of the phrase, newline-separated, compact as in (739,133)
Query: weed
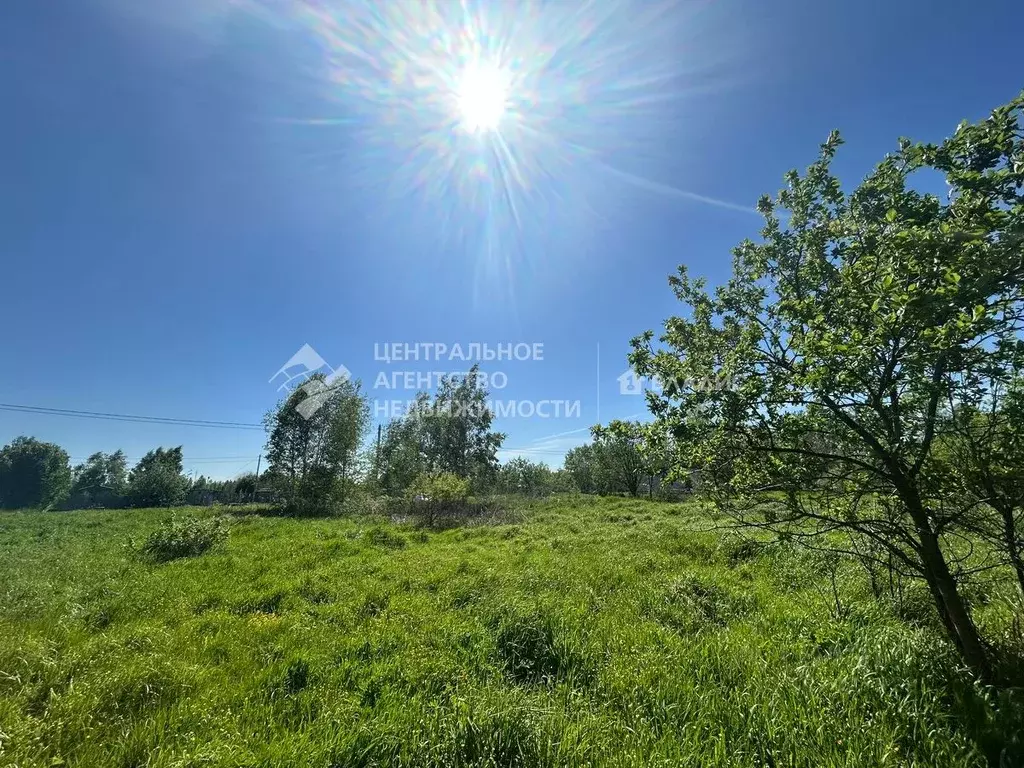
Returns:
(186,536)
(380,536)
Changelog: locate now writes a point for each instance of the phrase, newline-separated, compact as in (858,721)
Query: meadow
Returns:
(573,631)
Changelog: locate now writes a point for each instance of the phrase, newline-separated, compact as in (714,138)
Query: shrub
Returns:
(440,488)
(437,494)
(185,537)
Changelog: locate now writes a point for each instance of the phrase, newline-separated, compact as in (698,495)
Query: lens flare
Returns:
(481,97)
(507,122)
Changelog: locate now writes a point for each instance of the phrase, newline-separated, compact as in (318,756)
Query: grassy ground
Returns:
(601,632)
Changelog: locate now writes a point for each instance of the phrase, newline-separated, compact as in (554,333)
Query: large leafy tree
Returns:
(581,466)
(33,474)
(157,479)
(400,456)
(457,430)
(529,478)
(100,479)
(313,447)
(244,486)
(621,460)
(450,432)
(846,331)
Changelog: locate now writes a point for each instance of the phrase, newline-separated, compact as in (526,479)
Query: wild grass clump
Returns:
(536,648)
(186,536)
(379,536)
(738,550)
(691,604)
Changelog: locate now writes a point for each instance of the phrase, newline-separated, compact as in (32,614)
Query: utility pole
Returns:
(256,482)
(377,463)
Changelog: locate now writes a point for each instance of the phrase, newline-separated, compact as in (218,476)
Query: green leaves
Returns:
(313,443)
(157,480)
(33,474)
(851,330)
(449,433)
(622,454)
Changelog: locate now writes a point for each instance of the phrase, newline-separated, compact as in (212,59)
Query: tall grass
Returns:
(594,632)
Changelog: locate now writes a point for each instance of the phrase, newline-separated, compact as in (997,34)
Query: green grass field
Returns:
(588,632)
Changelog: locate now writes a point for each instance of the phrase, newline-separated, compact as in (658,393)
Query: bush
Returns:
(438,494)
(185,537)
(440,488)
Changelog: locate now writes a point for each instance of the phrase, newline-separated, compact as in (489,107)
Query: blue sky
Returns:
(192,190)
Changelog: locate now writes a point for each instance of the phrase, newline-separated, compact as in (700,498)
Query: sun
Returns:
(482,96)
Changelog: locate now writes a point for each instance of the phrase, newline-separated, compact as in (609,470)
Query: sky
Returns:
(191,191)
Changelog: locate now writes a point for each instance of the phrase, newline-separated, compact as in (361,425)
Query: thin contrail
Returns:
(541,440)
(666,189)
(329,121)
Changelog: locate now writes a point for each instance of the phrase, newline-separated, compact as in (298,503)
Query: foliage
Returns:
(621,462)
(980,452)
(845,332)
(580,464)
(451,433)
(185,536)
(438,494)
(102,481)
(157,480)
(440,487)
(444,488)
(244,486)
(400,458)
(596,632)
(624,457)
(33,474)
(458,432)
(529,478)
(314,437)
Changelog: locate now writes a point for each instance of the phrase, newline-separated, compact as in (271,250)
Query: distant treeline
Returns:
(36,474)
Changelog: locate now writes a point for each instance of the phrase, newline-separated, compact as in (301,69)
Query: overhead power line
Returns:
(14,408)
(188,460)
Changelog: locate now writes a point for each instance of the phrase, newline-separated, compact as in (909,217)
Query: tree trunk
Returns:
(940,606)
(1012,546)
(956,617)
(1018,566)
